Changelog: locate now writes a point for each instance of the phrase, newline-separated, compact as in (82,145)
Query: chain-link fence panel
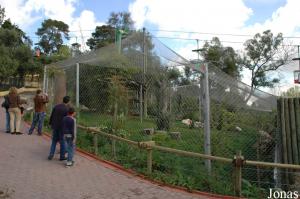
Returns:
(141,90)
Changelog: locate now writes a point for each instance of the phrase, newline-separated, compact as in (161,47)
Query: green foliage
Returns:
(2,14)
(106,34)
(222,57)
(16,55)
(121,20)
(51,35)
(264,53)
(292,92)
(103,36)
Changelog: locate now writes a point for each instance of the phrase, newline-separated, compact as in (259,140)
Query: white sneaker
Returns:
(69,163)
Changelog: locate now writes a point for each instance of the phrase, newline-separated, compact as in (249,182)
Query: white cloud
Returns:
(25,13)
(213,16)
(285,19)
(191,15)
(86,22)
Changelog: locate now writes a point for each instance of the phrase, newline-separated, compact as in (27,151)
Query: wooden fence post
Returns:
(113,148)
(149,160)
(238,161)
(96,143)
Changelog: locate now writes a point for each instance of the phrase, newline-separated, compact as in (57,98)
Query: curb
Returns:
(131,173)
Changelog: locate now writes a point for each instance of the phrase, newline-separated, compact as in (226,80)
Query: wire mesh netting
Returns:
(142,92)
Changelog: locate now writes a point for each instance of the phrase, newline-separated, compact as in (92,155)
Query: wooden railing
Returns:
(237,161)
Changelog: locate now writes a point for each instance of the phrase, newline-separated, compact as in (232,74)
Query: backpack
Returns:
(5,104)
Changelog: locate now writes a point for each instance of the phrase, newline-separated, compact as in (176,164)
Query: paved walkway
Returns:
(25,173)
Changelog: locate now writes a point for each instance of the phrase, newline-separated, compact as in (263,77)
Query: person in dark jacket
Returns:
(56,122)
(5,105)
(40,101)
(69,130)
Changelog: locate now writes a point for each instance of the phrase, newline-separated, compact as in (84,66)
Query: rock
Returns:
(198,124)
(160,132)
(84,108)
(149,131)
(175,135)
(239,129)
(187,122)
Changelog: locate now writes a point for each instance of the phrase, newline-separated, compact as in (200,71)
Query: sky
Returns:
(233,21)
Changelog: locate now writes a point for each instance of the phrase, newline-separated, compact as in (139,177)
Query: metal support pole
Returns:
(44,80)
(144,73)
(299,55)
(141,103)
(77,85)
(206,103)
(47,84)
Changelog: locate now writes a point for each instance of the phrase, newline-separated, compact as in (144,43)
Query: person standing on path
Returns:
(56,121)
(69,130)
(5,105)
(14,110)
(40,101)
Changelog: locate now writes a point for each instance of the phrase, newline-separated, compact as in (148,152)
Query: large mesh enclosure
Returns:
(141,90)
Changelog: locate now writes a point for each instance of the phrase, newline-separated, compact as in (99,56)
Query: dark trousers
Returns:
(57,136)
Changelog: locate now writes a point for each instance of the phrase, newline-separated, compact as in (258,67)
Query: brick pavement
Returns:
(25,173)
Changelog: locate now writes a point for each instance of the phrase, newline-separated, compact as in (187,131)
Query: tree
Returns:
(292,92)
(2,14)
(121,20)
(222,57)
(263,53)
(51,35)
(105,34)
(16,54)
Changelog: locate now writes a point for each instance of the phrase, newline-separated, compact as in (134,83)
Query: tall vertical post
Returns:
(206,104)
(299,55)
(47,84)
(143,79)
(44,80)
(77,85)
(144,72)
(141,103)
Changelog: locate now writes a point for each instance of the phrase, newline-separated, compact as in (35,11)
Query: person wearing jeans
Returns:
(40,101)
(38,118)
(69,130)
(7,122)
(57,136)
(5,105)
(56,121)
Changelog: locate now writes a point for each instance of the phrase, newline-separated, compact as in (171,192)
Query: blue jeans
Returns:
(57,136)
(70,149)
(38,118)
(7,123)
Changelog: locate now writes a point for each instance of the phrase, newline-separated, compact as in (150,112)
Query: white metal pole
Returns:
(206,102)
(77,85)
(44,80)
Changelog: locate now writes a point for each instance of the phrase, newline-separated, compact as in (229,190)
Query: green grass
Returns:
(170,168)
